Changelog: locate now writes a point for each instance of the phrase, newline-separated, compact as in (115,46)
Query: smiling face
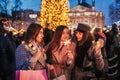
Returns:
(79,35)
(65,35)
(6,25)
(40,36)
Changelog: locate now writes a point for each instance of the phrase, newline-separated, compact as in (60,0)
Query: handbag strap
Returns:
(54,69)
(55,58)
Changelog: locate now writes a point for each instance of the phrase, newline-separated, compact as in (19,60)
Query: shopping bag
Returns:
(17,77)
(31,75)
(62,77)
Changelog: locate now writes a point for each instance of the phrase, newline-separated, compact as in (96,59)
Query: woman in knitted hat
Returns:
(86,53)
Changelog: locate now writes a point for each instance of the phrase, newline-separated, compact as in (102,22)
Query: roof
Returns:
(85,4)
(80,8)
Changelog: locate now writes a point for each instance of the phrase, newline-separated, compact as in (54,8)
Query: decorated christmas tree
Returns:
(54,12)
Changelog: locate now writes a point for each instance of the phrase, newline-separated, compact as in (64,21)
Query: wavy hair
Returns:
(55,42)
(32,32)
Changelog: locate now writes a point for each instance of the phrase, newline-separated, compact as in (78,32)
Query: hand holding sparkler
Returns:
(69,53)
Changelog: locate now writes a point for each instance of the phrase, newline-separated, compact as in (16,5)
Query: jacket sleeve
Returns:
(99,62)
(24,60)
(96,55)
(21,59)
(10,50)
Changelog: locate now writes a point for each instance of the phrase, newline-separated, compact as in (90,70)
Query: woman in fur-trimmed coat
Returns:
(30,55)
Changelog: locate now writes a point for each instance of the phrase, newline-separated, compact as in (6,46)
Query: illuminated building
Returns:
(85,13)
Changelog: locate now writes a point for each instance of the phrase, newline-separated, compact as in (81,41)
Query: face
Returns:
(6,25)
(79,35)
(65,35)
(40,36)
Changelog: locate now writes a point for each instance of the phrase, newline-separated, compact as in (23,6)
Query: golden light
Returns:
(54,12)
(32,15)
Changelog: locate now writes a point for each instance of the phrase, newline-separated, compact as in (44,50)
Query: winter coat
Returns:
(60,62)
(24,53)
(92,61)
(7,55)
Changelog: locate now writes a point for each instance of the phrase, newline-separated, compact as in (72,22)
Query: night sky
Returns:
(99,5)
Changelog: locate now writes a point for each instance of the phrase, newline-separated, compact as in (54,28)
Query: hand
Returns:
(50,67)
(69,57)
(100,44)
(36,56)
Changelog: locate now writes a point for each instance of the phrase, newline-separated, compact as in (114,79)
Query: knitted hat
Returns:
(102,35)
(83,27)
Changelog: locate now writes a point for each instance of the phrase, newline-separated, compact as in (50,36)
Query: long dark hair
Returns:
(55,42)
(83,45)
(57,37)
(32,32)
(82,50)
(2,30)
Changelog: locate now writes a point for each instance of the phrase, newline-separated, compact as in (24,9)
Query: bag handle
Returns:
(54,69)
(55,58)
(55,73)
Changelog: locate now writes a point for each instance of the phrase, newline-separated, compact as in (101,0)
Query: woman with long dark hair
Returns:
(88,54)
(30,54)
(60,54)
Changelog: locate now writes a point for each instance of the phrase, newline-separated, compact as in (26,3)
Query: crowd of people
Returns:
(83,55)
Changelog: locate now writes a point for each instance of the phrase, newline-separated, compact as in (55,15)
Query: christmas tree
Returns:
(54,12)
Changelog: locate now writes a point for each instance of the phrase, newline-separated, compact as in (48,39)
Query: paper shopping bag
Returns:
(32,75)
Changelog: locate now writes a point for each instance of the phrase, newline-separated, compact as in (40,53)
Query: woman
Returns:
(30,54)
(88,54)
(60,53)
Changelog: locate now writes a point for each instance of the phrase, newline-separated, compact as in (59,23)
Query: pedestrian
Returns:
(7,52)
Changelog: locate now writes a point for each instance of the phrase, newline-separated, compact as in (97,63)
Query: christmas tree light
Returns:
(54,12)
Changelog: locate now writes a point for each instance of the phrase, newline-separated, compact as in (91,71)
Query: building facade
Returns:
(85,13)
(23,18)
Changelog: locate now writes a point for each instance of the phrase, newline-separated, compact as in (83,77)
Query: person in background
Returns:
(19,38)
(60,54)
(7,52)
(113,50)
(88,54)
(100,38)
(30,55)
(48,34)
